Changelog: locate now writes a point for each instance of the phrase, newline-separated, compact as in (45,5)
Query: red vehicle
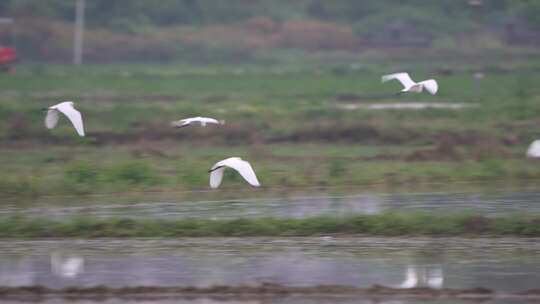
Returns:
(8,56)
(8,53)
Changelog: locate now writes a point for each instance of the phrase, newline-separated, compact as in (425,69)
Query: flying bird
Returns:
(66,108)
(410,86)
(236,163)
(534,149)
(202,120)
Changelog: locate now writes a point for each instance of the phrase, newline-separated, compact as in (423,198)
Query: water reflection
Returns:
(66,266)
(423,277)
(290,206)
(505,264)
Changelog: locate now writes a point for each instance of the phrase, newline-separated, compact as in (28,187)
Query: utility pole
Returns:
(79,33)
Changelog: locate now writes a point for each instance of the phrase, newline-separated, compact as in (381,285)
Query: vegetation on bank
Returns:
(388,224)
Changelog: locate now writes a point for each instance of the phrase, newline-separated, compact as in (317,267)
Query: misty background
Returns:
(209,31)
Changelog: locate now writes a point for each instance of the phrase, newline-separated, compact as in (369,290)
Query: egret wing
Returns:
(245,169)
(209,120)
(430,85)
(215,177)
(534,149)
(404,78)
(51,119)
(180,123)
(74,116)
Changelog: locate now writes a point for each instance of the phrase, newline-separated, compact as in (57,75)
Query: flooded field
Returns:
(503,264)
(280,205)
(322,269)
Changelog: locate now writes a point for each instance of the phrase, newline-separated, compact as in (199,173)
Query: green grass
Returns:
(283,118)
(389,224)
(170,166)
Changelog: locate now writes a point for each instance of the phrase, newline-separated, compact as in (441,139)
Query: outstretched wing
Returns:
(430,85)
(215,177)
(209,120)
(73,115)
(180,123)
(404,78)
(244,168)
(51,119)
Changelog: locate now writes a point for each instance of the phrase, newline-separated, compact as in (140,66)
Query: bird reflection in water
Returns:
(66,266)
(423,277)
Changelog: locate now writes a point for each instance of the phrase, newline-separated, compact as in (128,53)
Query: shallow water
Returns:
(298,205)
(502,264)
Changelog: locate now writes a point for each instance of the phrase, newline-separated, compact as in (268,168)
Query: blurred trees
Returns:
(129,15)
(168,29)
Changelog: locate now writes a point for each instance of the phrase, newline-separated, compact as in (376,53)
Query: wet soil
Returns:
(258,291)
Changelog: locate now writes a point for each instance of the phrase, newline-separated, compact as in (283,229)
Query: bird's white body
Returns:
(534,149)
(202,120)
(67,108)
(236,163)
(409,85)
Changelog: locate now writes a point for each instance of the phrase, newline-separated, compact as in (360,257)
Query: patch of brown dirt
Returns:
(257,291)
(476,224)
(453,146)
(351,134)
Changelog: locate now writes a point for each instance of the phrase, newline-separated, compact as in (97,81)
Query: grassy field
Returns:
(389,224)
(290,120)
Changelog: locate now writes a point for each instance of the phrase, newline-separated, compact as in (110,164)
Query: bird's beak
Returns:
(44,109)
(210,171)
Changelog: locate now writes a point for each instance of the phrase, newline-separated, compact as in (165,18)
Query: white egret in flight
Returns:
(236,163)
(66,108)
(202,120)
(410,86)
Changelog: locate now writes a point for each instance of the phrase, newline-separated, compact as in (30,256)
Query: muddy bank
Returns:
(258,291)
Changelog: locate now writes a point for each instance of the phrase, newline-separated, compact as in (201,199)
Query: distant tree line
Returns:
(204,30)
(134,15)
